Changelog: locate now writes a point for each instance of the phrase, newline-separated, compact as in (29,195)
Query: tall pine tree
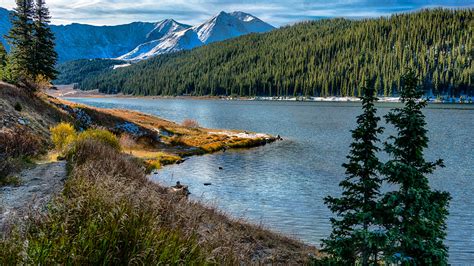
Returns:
(415,214)
(356,233)
(45,56)
(20,38)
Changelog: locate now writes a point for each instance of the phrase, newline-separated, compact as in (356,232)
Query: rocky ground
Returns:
(38,185)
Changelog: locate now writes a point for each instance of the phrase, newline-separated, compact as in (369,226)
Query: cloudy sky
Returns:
(276,12)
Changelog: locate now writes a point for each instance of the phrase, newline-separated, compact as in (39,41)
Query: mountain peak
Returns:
(222,13)
(165,28)
(243,16)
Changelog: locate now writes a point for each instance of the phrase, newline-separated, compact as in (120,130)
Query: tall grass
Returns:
(110,213)
(104,216)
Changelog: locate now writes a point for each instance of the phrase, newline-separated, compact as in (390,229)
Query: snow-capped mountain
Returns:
(220,27)
(140,40)
(81,41)
(78,41)
(224,26)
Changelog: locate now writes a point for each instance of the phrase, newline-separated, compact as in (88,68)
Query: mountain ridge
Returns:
(142,39)
(221,27)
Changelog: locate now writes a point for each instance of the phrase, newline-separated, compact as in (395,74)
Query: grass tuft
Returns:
(10,181)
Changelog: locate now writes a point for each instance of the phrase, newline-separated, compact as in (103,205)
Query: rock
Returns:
(22,121)
(163,132)
(220,168)
(130,128)
(181,161)
(179,189)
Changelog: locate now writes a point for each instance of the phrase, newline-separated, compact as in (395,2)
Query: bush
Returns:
(19,142)
(65,137)
(101,135)
(191,124)
(62,136)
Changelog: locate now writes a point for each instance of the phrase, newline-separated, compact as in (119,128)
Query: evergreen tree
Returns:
(415,215)
(3,56)
(44,54)
(356,234)
(3,61)
(20,38)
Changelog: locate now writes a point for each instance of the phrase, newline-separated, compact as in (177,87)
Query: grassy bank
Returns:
(110,213)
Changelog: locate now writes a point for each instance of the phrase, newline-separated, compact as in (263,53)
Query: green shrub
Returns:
(62,136)
(101,135)
(65,138)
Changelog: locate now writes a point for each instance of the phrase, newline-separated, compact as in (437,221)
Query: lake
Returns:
(282,185)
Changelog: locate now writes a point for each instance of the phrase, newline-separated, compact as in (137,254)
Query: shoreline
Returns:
(67,91)
(163,142)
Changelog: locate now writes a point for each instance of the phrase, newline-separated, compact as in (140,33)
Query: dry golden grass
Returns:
(156,160)
(110,213)
(184,141)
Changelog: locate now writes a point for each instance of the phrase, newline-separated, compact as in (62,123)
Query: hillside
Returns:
(318,58)
(74,71)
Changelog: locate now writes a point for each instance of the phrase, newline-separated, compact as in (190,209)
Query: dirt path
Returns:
(39,184)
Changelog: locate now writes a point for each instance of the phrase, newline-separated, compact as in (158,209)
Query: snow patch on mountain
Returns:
(166,27)
(221,27)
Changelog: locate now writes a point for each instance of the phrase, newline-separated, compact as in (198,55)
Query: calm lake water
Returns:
(282,185)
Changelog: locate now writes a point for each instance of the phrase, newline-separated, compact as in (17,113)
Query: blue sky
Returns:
(276,12)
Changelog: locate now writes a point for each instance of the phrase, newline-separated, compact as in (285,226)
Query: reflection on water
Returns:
(282,185)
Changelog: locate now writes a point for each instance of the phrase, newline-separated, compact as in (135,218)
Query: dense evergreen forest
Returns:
(317,58)
(77,70)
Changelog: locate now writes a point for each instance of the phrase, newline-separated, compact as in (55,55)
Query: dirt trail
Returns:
(39,184)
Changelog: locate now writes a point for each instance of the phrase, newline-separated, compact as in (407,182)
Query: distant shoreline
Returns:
(67,91)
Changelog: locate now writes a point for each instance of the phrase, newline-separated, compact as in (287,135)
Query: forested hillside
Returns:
(74,71)
(318,58)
